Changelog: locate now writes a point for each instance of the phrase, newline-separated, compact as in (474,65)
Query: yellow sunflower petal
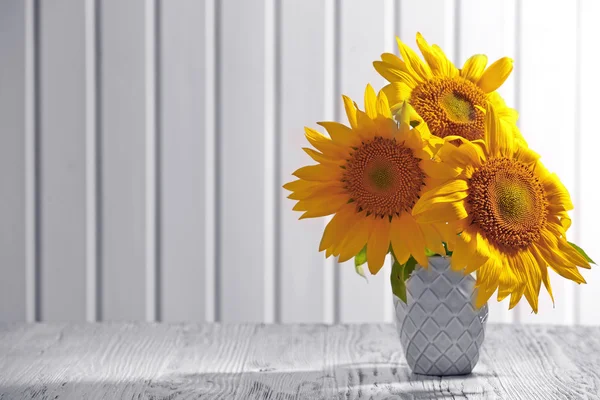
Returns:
(433,238)
(320,207)
(420,70)
(378,244)
(447,67)
(350,111)
(400,247)
(412,235)
(440,170)
(383,106)
(397,92)
(321,158)
(442,212)
(370,102)
(324,144)
(340,133)
(474,67)
(435,63)
(393,74)
(461,254)
(320,172)
(357,240)
(341,223)
(496,74)
(451,191)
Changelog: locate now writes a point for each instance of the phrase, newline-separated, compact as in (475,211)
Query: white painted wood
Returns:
(63,168)
(124,361)
(229,245)
(435,19)
(550,133)
(586,211)
(243,131)
(184,148)
(360,301)
(17,152)
(303,103)
(489,28)
(125,173)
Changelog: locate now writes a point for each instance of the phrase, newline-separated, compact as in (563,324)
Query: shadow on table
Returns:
(372,381)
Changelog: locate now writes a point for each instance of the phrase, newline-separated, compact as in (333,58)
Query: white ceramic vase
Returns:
(440,329)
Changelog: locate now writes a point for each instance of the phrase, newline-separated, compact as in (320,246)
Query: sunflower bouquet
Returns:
(434,164)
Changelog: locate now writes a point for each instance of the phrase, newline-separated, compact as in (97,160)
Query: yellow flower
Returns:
(511,212)
(369,175)
(451,101)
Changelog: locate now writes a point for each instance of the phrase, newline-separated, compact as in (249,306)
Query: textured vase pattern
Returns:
(440,330)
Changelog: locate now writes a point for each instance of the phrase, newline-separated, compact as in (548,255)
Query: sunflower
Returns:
(511,214)
(369,175)
(451,101)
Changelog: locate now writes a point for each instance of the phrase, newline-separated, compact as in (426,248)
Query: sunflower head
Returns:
(452,101)
(369,175)
(510,212)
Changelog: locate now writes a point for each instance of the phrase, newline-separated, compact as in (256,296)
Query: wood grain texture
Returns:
(223,361)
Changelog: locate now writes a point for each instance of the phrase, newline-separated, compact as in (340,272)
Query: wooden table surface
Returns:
(283,362)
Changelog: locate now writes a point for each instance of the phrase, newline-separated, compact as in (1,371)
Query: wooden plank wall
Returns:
(143,146)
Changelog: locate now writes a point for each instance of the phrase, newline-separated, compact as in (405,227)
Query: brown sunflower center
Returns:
(507,203)
(448,106)
(383,177)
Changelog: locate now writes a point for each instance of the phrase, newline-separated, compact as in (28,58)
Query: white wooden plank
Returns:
(17,162)
(435,19)
(303,103)
(244,133)
(489,28)
(586,212)
(63,160)
(552,138)
(125,172)
(184,148)
(359,361)
(358,48)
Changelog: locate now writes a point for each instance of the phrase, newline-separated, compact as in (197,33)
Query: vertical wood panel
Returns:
(124,170)
(489,28)
(586,209)
(359,47)
(435,19)
(243,131)
(303,85)
(63,160)
(184,148)
(548,77)
(17,154)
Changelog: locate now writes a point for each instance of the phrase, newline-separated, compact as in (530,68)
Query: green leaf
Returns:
(360,271)
(583,253)
(430,253)
(397,280)
(361,257)
(409,267)
(359,261)
(448,252)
